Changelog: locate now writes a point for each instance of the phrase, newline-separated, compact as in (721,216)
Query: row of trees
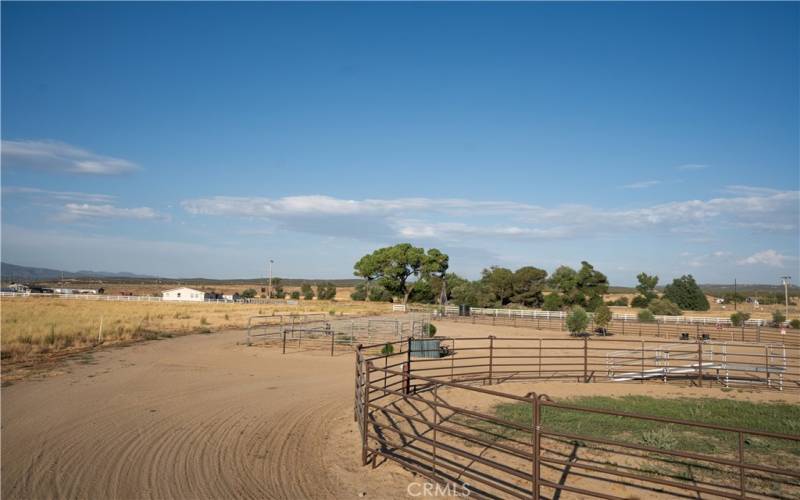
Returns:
(325,291)
(415,275)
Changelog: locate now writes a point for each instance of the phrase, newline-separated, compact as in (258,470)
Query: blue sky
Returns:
(201,139)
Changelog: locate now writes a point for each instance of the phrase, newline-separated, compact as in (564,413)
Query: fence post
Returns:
(333,336)
(535,438)
(435,423)
(491,357)
(585,360)
(699,362)
(623,326)
(741,464)
(284,341)
(365,414)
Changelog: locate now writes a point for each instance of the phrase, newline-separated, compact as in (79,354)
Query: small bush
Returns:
(620,302)
(602,316)
(660,437)
(387,349)
(646,316)
(431,330)
(203,321)
(778,318)
(664,307)
(577,320)
(640,301)
(553,302)
(295,295)
(739,318)
(795,323)
(25,339)
(227,317)
(332,312)
(50,338)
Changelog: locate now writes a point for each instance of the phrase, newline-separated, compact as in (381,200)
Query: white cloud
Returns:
(58,195)
(641,185)
(692,166)
(61,157)
(74,211)
(461,218)
(769,258)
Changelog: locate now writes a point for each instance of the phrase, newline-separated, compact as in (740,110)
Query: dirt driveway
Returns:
(189,417)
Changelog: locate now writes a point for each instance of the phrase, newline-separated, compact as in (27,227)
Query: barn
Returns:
(185,294)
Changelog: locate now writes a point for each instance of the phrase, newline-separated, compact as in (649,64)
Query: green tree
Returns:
(646,288)
(326,291)
(277,288)
(422,293)
(664,307)
(602,316)
(307,291)
(564,280)
(470,293)
(778,318)
(739,318)
(646,316)
(250,293)
(499,284)
(553,302)
(592,285)
(393,267)
(686,294)
(434,268)
(528,286)
(577,320)
(295,295)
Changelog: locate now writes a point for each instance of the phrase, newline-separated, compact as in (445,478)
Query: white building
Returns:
(185,294)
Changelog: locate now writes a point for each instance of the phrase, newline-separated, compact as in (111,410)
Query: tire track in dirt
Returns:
(192,417)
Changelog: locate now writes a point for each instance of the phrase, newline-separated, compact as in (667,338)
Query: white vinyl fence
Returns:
(143,298)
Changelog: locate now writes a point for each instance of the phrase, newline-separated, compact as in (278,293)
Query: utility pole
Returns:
(269,288)
(734,294)
(785,280)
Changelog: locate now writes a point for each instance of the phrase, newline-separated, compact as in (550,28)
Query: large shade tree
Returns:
(399,268)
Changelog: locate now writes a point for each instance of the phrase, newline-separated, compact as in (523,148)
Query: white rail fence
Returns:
(535,313)
(144,298)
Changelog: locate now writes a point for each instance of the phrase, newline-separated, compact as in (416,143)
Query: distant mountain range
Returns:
(25,273)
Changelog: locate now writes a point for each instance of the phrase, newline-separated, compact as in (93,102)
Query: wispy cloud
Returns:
(465,219)
(75,211)
(692,166)
(641,185)
(58,195)
(61,157)
(769,258)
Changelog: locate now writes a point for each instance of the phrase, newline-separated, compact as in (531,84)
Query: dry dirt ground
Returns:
(189,417)
(202,417)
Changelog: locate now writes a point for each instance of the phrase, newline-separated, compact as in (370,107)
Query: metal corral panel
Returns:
(426,348)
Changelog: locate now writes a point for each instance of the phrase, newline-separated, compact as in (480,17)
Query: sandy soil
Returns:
(189,417)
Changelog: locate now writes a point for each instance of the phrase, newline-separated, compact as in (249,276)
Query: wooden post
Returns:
(284,341)
(333,336)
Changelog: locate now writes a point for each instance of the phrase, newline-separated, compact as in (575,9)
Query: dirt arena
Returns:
(202,417)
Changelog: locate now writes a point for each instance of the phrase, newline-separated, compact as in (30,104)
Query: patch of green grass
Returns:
(770,417)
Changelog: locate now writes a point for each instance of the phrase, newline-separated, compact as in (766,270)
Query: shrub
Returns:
(296,295)
(387,349)
(250,293)
(778,318)
(577,320)
(553,302)
(660,437)
(739,318)
(795,323)
(620,302)
(640,301)
(307,291)
(646,316)
(203,321)
(326,291)
(431,330)
(664,307)
(602,316)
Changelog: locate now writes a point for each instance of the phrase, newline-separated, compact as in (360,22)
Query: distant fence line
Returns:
(548,315)
(145,298)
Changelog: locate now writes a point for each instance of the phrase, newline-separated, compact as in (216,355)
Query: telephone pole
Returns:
(785,280)
(269,288)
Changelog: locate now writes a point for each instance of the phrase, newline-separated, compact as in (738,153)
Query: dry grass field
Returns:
(34,326)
